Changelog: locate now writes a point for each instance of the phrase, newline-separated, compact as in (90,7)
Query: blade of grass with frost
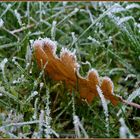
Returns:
(124,130)
(18,16)
(28,12)
(5,93)
(53,30)
(126,30)
(11,135)
(9,45)
(75,118)
(19,124)
(1,22)
(131,97)
(78,126)
(127,65)
(40,11)
(132,6)
(95,21)
(33,94)
(10,9)
(48,128)
(65,109)
(3,103)
(41,121)
(69,15)
(76,121)
(10,33)
(104,104)
(47,115)
(125,19)
(21,69)
(134,94)
(36,109)
(6,10)
(36,82)
(2,66)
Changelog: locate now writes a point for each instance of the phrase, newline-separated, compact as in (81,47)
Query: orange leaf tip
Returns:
(47,43)
(93,75)
(69,58)
(107,84)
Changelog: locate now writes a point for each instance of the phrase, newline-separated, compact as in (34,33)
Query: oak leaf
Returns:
(65,68)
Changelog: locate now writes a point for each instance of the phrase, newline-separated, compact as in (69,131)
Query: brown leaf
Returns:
(107,89)
(65,69)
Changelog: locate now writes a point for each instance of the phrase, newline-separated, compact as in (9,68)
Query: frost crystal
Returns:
(53,30)
(28,54)
(94,40)
(104,104)
(125,19)
(66,51)
(131,97)
(34,93)
(124,130)
(51,44)
(18,16)
(41,85)
(134,94)
(41,121)
(1,23)
(78,126)
(2,64)
(117,8)
(77,123)
(19,80)
(131,6)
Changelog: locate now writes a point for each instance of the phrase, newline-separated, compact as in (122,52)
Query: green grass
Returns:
(106,37)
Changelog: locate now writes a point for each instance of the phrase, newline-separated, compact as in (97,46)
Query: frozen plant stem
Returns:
(68,16)
(124,130)
(2,66)
(36,109)
(53,30)
(47,115)
(19,124)
(41,121)
(48,129)
(40,11)
(77,123)
(28,12)
(104,104)
(131,97)
(93,23)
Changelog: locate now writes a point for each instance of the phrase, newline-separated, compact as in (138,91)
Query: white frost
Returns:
(2,64)
(125,19)
(104,104)
(117,9)
(78,126)
(134,94)
(132,6)
(124,130)
(18,16)
(1,23)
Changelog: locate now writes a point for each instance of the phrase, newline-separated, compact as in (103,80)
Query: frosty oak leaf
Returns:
(66,68)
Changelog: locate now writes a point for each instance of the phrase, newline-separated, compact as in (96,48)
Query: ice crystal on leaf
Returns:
(66,69)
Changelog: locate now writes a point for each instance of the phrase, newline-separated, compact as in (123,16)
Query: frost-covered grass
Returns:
(105,35)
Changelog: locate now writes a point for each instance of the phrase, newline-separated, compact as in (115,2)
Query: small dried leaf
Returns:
(65,69)
(107,89)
